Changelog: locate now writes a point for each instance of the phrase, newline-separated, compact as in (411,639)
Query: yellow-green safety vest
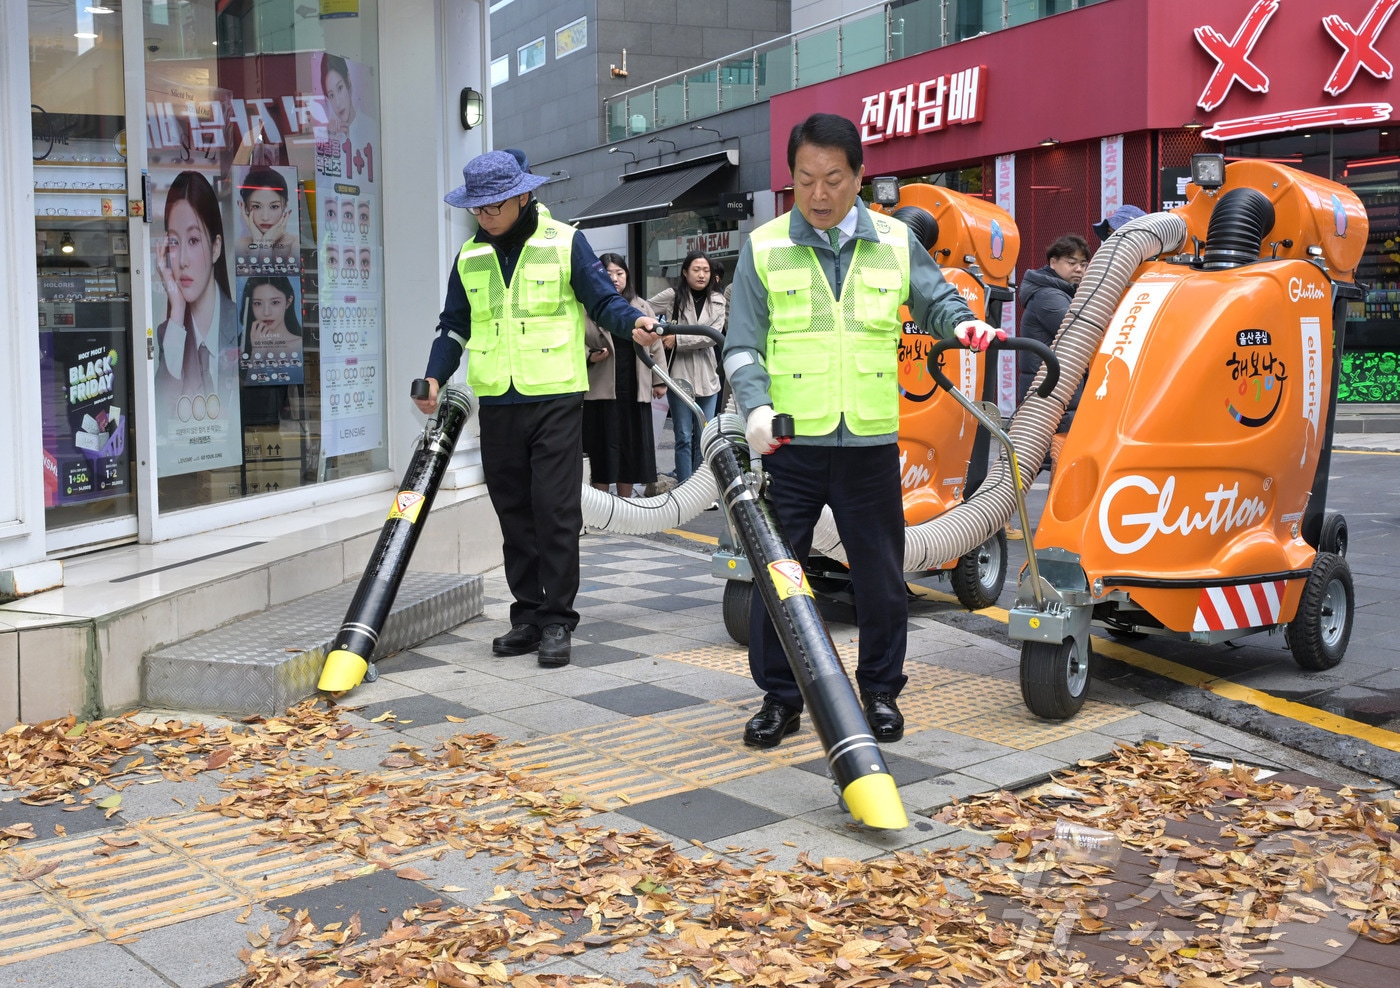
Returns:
(827,357)
(530,335)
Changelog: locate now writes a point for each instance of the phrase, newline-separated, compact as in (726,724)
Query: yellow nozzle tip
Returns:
(874,801)
(343,671)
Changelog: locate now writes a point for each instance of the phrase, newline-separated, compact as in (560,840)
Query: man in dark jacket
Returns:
(1043,298)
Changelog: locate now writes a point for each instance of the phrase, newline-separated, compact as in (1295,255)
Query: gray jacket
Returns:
(936,306)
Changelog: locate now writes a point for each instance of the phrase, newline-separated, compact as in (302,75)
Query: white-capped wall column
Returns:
(22,549)
(429,50)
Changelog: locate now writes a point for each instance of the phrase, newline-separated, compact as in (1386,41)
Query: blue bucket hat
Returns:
(1109,225)
(489,178)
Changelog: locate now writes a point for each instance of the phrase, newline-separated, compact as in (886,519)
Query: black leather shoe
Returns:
(521,638)
(884,718)
(773,722)
(554,646)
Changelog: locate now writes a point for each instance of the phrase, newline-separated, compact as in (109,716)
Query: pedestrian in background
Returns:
(617,426)
(530,382)
(1045,295)
(692,300)
(815,333)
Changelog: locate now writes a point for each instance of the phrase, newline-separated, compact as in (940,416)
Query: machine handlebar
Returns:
(783,427)
(690,329)
(1052,365)
(419,389)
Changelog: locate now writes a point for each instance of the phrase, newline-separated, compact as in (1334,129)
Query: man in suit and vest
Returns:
(517,297)
(814,331)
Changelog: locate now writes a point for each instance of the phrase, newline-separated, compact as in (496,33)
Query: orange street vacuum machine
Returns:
(1190,497)
(943,454)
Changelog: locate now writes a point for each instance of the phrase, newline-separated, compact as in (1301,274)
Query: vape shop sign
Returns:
(709,243)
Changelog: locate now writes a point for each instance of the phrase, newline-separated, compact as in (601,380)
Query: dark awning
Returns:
(649,195)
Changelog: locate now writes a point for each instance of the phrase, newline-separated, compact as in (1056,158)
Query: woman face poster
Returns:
(266,215)
(198,416)
(270,314)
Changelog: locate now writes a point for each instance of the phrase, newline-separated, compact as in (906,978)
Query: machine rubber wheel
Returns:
(738,595)
(371,673)
(1319,632)
(979,576)
(1054,678)
(1334,535)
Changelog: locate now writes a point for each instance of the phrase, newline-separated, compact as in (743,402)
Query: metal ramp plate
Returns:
(265,663)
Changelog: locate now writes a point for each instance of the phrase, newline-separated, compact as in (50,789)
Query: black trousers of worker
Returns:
(861,483)
(532,454)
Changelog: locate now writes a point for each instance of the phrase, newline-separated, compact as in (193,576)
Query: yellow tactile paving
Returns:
(957,702)
(591,774)
(1017,727)
(236,852)
(124,890)
(32,924)
(729,658)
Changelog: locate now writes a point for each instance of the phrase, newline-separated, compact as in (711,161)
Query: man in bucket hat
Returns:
(517,295)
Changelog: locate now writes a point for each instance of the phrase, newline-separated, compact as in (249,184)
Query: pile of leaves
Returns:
(1003,916)
(54,760)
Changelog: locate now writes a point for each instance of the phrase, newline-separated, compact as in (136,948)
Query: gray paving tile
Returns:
(948,749)
(419,710)
(504,694)
(647,669)
(671,602)
(931,795)
(640,699)
(471,881)
(219,938)
(606,632)
(1072,750)
(589,655)
(835,819)
(75,817)
(440,678)
(787,840)
(572,680)
(378,897)
(100,965)
(786,791)
(157,799)
(711,685)
(1015,770)
(407,661)
(702,814)
(559,716)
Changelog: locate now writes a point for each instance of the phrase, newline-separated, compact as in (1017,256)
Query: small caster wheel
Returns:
(371,673)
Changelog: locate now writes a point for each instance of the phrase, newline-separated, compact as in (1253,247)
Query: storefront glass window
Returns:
(1368,162)
(666,242)
(83,255)
(264,199)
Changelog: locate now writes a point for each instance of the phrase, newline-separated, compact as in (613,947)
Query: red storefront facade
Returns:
(1128,90)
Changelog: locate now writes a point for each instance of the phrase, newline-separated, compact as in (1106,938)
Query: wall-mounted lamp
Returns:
(711,130)
(619,71)
(622,151)
(1049,142)
(562,175)
(1193,125)
(663,140)
(471,108)
(66,244)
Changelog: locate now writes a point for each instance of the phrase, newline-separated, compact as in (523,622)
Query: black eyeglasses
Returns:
(494,209)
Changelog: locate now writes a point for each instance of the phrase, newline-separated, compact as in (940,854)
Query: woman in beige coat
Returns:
(693,300)
(617,433)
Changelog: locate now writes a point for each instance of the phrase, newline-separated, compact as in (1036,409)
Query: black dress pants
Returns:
(861,483)
(532,454)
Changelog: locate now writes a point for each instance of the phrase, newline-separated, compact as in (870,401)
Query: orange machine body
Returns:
(1184,483)
(976,247)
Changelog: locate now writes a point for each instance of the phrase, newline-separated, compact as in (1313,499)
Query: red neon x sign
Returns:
(1233,56)
(1359,46)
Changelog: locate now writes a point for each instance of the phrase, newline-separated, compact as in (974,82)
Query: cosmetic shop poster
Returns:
(350,258)
(86,406)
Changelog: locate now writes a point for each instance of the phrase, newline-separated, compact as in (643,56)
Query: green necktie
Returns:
(834,235)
